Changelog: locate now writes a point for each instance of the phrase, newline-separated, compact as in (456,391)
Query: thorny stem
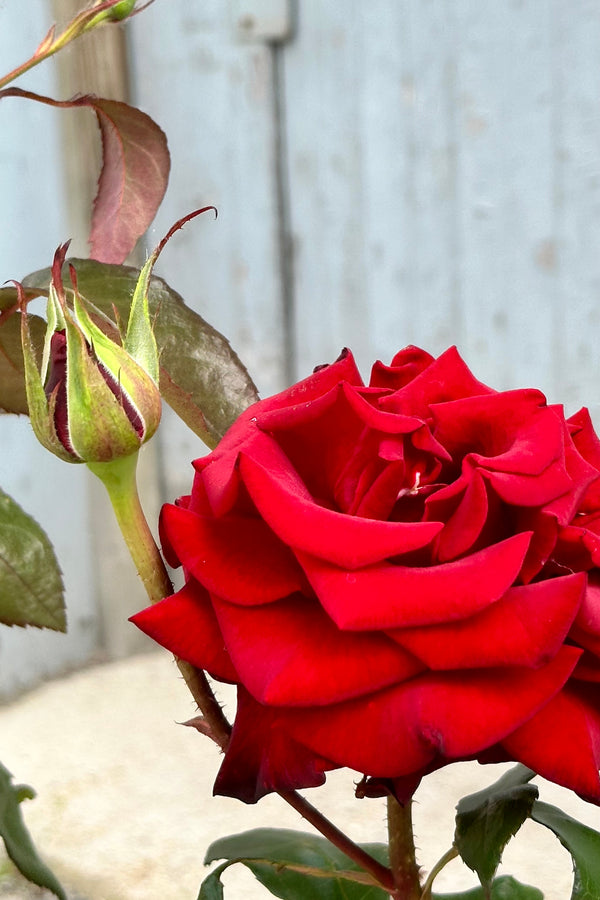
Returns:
(201,691)
(382,875)
(407,884)
(82,22)
(119,478)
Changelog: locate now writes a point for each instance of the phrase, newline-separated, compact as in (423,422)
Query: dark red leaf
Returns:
(134,175)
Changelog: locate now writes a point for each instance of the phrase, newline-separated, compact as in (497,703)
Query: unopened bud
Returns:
(93,400)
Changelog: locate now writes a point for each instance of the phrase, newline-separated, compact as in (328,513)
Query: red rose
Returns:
(396,577)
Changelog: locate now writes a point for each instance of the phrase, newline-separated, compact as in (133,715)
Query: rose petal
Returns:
(562,742)
(455,715)
(588,617)
(526,627)
(261,757)
(512,431)
(219,467)
(297,657)
(295,517)
(405,366)
(463,506)
(587,443)
(241,559)
(332,441)
(447,378)
(186,625)
(392,596)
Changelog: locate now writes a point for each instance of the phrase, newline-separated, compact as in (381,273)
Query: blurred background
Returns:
(386,173)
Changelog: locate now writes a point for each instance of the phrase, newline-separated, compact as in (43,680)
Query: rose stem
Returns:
(402,851)
(119,479)
(382,875)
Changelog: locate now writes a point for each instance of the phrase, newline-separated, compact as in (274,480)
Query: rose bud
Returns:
(93,400)
(396,576)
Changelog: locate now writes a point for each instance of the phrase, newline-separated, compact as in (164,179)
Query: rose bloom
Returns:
(396,576)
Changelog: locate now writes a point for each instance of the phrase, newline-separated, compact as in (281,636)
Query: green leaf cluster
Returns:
(295,865)
(486,821)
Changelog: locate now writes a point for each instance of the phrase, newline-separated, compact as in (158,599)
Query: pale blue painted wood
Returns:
(505,174)
(214,98)
(371,137)
(577,188)
(441,184)
(33,222)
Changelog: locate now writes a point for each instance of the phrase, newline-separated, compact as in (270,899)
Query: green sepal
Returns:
(201,377)
(97,423)
(140,342)
(41,410)
(138,385)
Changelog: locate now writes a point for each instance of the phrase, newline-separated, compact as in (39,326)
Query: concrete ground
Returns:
(124,808)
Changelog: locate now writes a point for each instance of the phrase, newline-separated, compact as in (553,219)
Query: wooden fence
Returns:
(390,172)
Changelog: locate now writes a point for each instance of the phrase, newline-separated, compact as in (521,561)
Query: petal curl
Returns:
(562,742)
(185,624)
(402,729)
(393,596)
(239,558)
(262,757)
(405,366)
(526,627)
(447,378)
(297,657)
(295,517)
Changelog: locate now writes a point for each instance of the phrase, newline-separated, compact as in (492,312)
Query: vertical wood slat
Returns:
(576,43)
(214,97)
(371,142)
(94,64)
(507,215)
(444,184)
(33,223)
(97,64)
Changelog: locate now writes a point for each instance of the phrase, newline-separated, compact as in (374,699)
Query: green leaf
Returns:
(487,820)
(503,888)
(583,844)
(294,865)
(17,839)
(12,376)
(201,377)
(31,588)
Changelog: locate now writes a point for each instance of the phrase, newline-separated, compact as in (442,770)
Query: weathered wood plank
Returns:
(576,153)
(372,156)
(505,180)
(214,98)
(34,221)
